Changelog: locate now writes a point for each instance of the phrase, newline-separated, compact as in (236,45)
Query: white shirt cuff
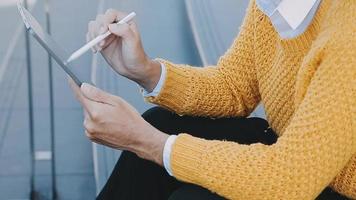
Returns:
(159,85)
(167,153)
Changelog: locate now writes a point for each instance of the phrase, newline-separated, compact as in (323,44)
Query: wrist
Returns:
(158,148)
(151,147)
(151,75)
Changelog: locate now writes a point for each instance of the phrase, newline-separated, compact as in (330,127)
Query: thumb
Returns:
(97,95)
(122,30)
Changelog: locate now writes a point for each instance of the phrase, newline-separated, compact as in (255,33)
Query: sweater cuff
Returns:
(186,158)
(172,94)
(159,85)
(167,154)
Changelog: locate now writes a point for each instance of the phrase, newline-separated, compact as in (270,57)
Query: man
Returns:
(297,58)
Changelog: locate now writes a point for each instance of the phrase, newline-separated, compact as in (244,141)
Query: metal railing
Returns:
(33,194)
(31,115)
(10,81)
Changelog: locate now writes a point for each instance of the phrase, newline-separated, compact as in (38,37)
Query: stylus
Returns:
(98,39)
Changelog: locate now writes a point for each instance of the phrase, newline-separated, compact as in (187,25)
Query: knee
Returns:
(152,114)
(193,192)
(158,117)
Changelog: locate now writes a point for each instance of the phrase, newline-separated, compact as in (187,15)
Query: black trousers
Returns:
(134,178)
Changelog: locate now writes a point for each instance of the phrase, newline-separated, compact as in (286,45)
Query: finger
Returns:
(103,29)
(95,47)
(120,16)
(93,28)
(87,36)
(112,16)
(88,40)
(108,41)
(103,142)
(86,103)
(76,90)
(103,23)
(122,30)
(100,18)
(97,95)
(101,26)
(92,137)
(89,135)
(134,28)
(85,113)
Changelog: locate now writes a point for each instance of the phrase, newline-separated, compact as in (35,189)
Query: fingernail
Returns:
(102,43)
(102,30)
(85,88)
(111,26)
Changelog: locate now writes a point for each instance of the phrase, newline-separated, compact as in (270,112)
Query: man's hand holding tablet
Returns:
(111,121)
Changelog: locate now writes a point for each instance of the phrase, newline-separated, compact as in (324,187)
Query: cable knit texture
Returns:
(308,88)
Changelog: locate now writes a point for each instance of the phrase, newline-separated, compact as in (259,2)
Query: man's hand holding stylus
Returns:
(111,121)
(123,49)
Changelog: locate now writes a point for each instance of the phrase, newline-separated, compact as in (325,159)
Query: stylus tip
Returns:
(70,59)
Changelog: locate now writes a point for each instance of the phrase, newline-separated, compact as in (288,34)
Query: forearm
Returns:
(203,92)
(228,89)
(316,146)
(238,171)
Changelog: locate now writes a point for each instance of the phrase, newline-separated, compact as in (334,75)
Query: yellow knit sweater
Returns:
(308,88)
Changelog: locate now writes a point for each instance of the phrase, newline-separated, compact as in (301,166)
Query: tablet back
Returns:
(46,41)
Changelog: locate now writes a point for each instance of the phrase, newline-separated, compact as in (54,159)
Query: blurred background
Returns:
(43,148)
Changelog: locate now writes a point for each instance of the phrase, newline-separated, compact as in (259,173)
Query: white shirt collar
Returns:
(290,18)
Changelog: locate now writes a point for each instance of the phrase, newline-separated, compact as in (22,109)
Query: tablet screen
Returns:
(46,41)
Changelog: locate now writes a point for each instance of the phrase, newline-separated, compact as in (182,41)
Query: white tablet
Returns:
(46,41)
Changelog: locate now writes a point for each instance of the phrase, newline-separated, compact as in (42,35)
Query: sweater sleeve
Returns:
(314,148)
(228,89)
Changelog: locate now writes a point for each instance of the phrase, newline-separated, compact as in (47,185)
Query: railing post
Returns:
(51,106)
(30,111)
